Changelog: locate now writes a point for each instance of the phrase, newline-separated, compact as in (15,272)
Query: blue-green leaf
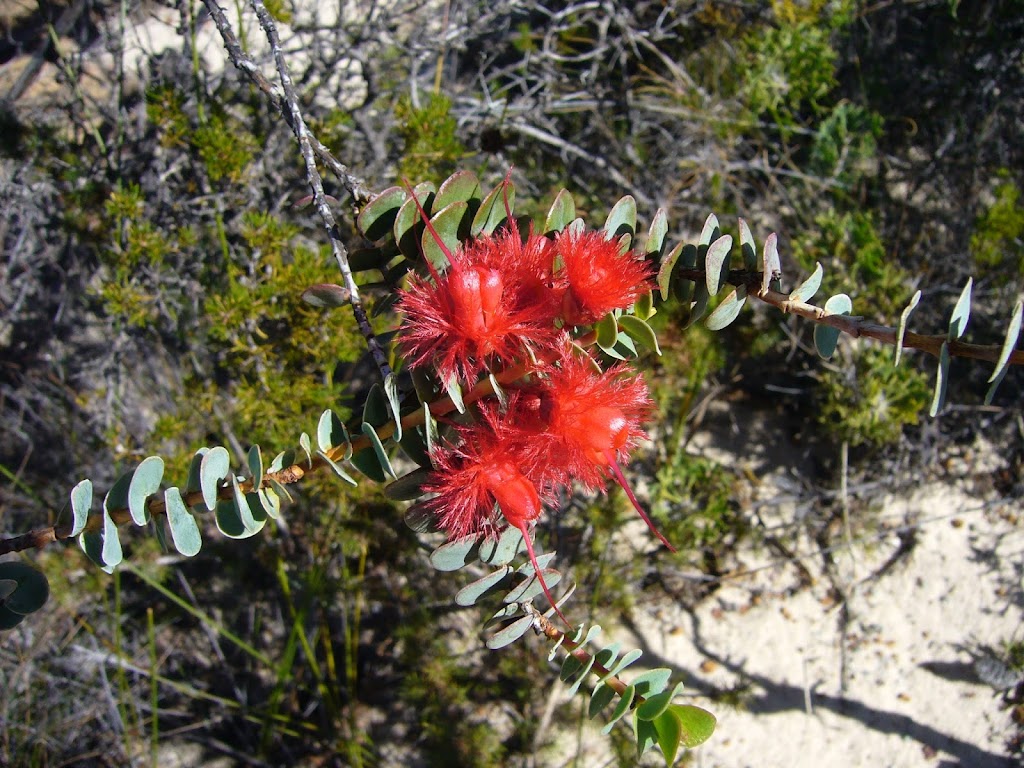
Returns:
(503,549)
(625,700)
(230,522)
(748,247)
(532,587)
(391,393)
(510,633)
(214,467)
(111,549)
(375,220)
(242,504)
(825,336)
(961,312)
(461,186)
(456,554)
(810,286)
(657,703)
(145,482)
(656,234)
(1009,343)
(340,471)
(561,213)
(629,658)
(81,502)
(448,226)
(184,531)
(192,484)
(716,263)
(770,264)
(665,271)
(901,331)
(941,380)
(726,312)
(602,697)
(255,461)
(622,218)
(492,582)
(26,588)
(652,682)
(492,210)
(407,487)
(710,231)
(645,734)
(378,449)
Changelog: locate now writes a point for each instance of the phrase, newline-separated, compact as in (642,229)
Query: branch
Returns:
(854,325)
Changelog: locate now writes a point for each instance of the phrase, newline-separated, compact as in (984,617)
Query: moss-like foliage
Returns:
(997,242)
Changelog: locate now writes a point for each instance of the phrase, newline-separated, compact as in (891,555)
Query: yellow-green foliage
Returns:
(872,406)
(431,146)
(998,239)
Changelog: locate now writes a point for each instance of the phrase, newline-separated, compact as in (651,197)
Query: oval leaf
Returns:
(641,331)
(901,331)
(184,531)
(145,482)
(656,234)
(1009,343)
(461,186)
(726,312)
(492,582)
(770,263)
(716,263)
(622,218)
(255,461)
(492,210)
(81,502)
(710,231)
(326,295)
(698,724)
(502,550)
(30,589)
(455,554)
(810,286)
(376,219)
(447,226)
(748,247)
(510,633)
(561,213)
(215,466)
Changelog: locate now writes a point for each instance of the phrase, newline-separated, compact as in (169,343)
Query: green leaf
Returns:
(810,286)
(657,703)
(326,295)
(656,234)
(270,500)
(391,393)
(376,219)
(409,226)
(710,231)
(306,447)
(245,513)
(700,304)
(697,724)
(359,260)
(624,661)
(770,264)
(622,218)
(941,380)
(644,307)
(340,470)
(561,213)
(81,502)
(408,486)
(652,682)
(726,312)
(492,582)
(330,432)
(461,186)
(215,466)
(901,331)
(192,484)
(421,519)
(669,730)
(457,554)
(449,227)
(1009,343)
(825,336)
(366,461)
(716,263)
(255,461)
(9,619)
(601,698)
(607,331)
(230,522)
(646,735)
(961,312)
(665,271)
(378,449)
(117,496)
(527,568)
(375,410)
(625,700)
(503,549)
(110,551)
(641,331)
(510,633)
(492,210)
(26,588)
(748,247)
(532,587)
(184,531)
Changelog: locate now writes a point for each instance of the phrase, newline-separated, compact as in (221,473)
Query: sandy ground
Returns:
(892,684)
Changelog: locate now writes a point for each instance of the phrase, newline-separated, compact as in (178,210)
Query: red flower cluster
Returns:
(503,301)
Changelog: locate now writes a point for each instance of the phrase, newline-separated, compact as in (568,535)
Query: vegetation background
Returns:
(153,258)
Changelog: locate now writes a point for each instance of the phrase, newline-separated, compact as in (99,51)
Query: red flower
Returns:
(592,421)
(492,304)
(596,278)
(493,462)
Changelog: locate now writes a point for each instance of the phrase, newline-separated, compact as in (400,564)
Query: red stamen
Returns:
(613,465)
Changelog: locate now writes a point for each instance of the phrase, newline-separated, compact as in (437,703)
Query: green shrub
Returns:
(997,242)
